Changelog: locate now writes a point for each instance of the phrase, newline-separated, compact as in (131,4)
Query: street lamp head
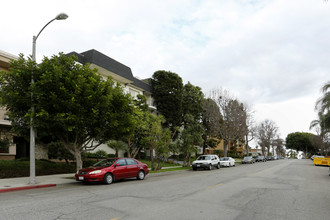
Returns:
(61,16)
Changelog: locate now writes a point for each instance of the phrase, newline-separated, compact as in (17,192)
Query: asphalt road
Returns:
(283,189)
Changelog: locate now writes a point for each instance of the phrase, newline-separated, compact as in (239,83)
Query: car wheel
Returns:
(210,166)
(108,178)
(140,175)
(218,166)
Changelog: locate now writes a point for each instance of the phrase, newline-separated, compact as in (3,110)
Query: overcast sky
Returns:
(272,54)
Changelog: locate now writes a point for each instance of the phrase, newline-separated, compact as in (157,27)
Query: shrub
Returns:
(21,168)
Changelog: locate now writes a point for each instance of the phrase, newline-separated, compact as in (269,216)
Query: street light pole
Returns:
(61,16)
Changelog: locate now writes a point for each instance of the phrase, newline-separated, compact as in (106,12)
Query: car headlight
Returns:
(95,172)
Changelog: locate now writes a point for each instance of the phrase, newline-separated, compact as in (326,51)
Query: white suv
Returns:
(206,162)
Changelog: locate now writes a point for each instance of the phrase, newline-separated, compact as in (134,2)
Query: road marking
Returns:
(211,187)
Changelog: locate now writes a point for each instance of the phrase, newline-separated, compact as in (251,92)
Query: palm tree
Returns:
(322,124)
(323,106)
(117,146)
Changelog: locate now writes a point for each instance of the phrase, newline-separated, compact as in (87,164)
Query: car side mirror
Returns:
(117,165)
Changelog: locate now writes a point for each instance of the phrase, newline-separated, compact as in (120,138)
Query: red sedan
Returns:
(109,170)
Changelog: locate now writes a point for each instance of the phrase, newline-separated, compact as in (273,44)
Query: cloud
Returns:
(268,52)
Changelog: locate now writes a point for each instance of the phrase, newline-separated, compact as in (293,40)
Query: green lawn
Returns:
(170,169)
(148,162)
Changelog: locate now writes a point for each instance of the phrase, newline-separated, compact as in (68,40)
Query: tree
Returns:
(234,118)
(190,137)
(192,102)
(323,123)
(140,127)
(279,144)
(300,141)
(211,119)
(117,146)
(250,128)
(321,130)
(266,133)
(168,95)
(72,102)
(157,139)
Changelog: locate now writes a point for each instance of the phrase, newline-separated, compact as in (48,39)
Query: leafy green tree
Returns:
(157,140)
(190,137)
(72,102)
(168,95)
(140,127)
(300,141)
(192,102)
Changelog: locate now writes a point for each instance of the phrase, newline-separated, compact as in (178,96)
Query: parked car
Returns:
(312,158)
(261,159)
(110,170)
(269,158)
(206,162)
(248,160)
(227,161)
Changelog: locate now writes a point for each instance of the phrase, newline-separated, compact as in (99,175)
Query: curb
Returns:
(26,187)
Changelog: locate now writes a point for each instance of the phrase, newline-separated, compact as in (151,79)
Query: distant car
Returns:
(110,170)
(227,161)
(261,159)
(269,158)
(248,160)
(206,162)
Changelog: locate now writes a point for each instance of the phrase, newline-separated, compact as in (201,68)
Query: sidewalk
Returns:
(22,183)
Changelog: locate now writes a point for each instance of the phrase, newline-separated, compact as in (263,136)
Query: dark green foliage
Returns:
(56,150)
(300,141)
(192,102)
(168,95)
(21,168)
(72,102)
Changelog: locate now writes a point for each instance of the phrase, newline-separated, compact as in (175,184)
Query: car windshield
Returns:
(224,158)
(247,158)
(104,163)
(260,157)
(204,158)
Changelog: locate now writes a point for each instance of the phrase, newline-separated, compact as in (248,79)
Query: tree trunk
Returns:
(263,150)
(152,158)
(247,145)
(79,163)
(225,146)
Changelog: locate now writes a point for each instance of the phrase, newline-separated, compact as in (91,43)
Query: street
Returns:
(281,189)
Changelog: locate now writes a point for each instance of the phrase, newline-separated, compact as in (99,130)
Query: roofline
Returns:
(8,55)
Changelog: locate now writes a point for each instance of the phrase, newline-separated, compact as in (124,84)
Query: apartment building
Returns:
(6,152)
(119,73)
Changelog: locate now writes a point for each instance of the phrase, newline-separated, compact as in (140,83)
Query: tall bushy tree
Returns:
(190,137)
(168,94)
(300,141)
(211,119)
(192,102)
(72,102)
